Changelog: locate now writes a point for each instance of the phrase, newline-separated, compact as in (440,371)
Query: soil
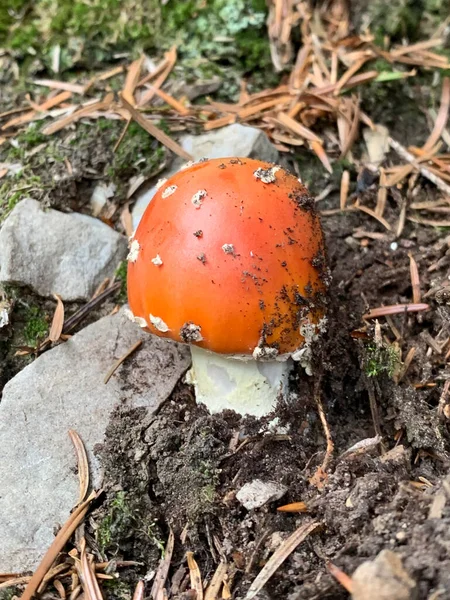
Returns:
(181,469)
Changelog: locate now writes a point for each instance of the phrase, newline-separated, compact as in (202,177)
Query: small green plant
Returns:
(121,275)
(36,327)
(117,520)
(380,359)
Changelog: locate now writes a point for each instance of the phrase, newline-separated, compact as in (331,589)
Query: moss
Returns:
(36,326)
(121,275)
(116,521)
(213,37)
(137,153)
(380,359)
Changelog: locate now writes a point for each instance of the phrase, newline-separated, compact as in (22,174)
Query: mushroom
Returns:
(232,262)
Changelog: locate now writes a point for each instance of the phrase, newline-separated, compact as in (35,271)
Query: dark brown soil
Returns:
(181,469)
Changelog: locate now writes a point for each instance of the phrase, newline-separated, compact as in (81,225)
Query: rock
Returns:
(257,493)
(233,140)
(64,389)
(57,253)
(384,579)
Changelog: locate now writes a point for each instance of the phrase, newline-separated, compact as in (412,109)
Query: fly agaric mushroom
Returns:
(229,257)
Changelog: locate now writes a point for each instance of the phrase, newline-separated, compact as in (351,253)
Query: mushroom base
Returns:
(248,387)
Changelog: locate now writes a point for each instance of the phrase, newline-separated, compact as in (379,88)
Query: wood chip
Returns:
(195,576)
(341,577)
(213,589)
(298,128)
(294,507)
(279,556)
(170,60)
(45,106)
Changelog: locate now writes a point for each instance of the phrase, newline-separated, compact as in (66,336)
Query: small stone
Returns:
(383,578)
(64,389)
(257,493)
(57,253)
(100,196)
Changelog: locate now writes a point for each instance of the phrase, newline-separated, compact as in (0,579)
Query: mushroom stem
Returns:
(249,387)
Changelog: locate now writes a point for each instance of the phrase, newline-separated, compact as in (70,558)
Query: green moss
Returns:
(137,153)
(121,275)
(36,327)
(118,520)
(213,37)
(380,359)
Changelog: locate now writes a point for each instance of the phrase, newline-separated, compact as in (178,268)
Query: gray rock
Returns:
(257,493)
(233,140)
(57,253)
(64,389)
(383,578)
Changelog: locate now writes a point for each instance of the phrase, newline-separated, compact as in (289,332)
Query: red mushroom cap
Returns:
(230,256)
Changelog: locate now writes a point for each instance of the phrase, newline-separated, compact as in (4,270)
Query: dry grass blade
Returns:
(88,578)
(442,117)
(297,128)
(345,184)
(163,569)
(213,590)
(118,362)
(430,222)
(47,105)
(294,507)
(85,111)
(279,556)
(58,320)
(58,544)
(403,153)
(406,364)
(83,465)
(220,122)
(175,104)
(14,581)
(194,573)
(341,577)
(60,589)
(169,63)
(395,309)
(373,214)
(319,151)
(139,591)
(382,194)
(415,281)
(75,88)
(133,74)
(155,132)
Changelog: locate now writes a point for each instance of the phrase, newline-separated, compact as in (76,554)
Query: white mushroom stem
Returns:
(249,387)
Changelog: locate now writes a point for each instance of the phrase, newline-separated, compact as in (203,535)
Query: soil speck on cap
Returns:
(190,332)
(198,197)
(198,233)
(266,175)
(202,258)
(228,249)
